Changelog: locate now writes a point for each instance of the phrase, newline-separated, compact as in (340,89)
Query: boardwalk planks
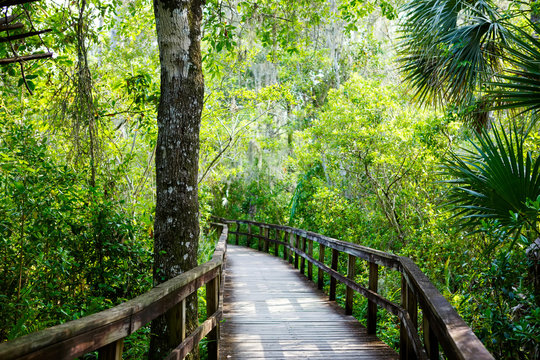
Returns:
(271,311)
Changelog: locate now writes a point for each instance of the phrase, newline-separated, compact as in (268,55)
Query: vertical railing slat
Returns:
(333,282)
(212,305)
(351,273)
(430,340)
(248,237)
(372,306)
(310,265)
(320,273)
(303,260)
(266,242)
(112,351)
(296,246)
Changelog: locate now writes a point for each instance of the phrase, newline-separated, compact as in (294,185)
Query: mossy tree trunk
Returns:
(176,225)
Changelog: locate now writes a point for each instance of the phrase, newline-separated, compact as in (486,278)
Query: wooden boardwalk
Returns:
(271,311)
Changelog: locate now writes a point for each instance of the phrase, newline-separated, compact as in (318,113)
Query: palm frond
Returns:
(495,179)
(449,47)
(518,87)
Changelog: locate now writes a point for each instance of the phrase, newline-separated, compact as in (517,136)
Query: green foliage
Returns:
(67,249)
(495,180)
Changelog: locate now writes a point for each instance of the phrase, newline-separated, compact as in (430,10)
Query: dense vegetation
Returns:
(393,125)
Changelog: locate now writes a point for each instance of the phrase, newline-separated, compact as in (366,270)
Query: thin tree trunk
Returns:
(176,223)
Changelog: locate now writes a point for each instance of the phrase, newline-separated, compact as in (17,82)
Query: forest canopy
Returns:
(406,126)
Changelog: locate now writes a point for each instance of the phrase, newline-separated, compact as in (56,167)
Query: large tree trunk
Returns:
(176,224)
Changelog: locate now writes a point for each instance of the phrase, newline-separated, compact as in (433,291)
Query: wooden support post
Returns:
(296,246)
(112,351)
(266,242)
(412,309)
(176,321)
(320,273)
(292,246)
(430,340)
(351,273)
(303,260)
(372,306)
(403,337)
(310,265)
(333,281)
(409,303)
(285,241)
(212,305)
(237,231)
(259,241)
(276,245)
(248,237)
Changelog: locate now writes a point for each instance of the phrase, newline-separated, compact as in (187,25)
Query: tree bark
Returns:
(176,223)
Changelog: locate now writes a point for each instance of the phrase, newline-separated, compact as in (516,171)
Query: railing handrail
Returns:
(96,331)
(442,322)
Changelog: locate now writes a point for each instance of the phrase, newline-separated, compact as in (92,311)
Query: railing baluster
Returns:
(296,246)
(310,265)
(303,260)
(430,340)
(237,231)
(409,303)
(284,241)
(333,281)
(320,273)
(248,237)
(266,242)
(276,245)
(412,309)
(212,305)
(403,337)
(259,241)
(291,244)
(372,306)
(351,273)
(112,351)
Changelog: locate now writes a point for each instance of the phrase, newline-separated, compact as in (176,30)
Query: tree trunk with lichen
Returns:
(176,226)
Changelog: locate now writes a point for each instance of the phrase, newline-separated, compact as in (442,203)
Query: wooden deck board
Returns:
(271,311)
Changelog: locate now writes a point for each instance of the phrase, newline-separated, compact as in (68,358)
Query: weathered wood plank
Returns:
(320,273)
(372,306)
(333,282)
(272,311)
(351,273)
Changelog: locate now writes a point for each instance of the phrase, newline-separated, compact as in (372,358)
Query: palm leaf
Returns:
(495,179)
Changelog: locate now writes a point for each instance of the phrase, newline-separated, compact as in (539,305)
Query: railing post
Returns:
(266,242)
(276,245)
(351,273)
(237,231)
(259,243)
(408,302)
(310,265)
(112,351)
(291,244)
(333,281)
(430,340)
(372,306)
(285,253)
(248,237)
(212,305)
(296,246)
(303,260)
(320,273)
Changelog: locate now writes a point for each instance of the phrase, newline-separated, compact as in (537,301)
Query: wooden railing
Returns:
(441,328)
(105,331)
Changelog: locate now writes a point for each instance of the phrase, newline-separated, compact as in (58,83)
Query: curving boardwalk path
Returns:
(271,311)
